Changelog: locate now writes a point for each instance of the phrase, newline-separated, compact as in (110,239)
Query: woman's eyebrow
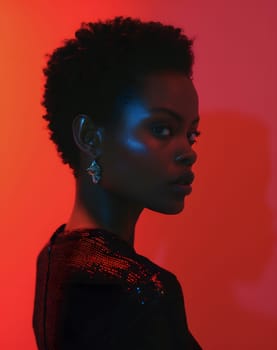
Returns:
(173,114)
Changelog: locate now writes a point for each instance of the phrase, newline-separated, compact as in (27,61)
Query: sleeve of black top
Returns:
(95,317)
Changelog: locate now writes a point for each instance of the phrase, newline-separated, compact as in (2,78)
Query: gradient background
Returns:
(223,247)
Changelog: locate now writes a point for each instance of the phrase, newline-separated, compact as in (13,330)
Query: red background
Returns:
(223,247)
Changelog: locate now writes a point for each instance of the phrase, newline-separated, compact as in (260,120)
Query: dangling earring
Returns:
(95,171)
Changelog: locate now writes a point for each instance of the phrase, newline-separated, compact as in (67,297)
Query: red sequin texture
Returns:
(85,260)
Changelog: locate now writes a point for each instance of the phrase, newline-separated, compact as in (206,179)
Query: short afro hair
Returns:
(88,73)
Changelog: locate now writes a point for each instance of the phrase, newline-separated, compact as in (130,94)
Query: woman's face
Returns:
(151,147)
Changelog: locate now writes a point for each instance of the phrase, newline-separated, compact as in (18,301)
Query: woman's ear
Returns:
(87,136)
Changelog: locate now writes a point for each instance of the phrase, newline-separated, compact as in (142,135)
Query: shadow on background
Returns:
(223,238)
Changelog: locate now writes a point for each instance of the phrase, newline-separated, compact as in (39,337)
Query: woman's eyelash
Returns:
(158,130)
(197,133)
(165,131)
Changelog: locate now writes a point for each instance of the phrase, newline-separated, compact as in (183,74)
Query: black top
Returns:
(93,291)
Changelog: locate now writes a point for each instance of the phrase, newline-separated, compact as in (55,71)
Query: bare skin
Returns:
(140,157)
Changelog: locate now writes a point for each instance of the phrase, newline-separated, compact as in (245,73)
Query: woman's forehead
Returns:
(168,86)
(163,93)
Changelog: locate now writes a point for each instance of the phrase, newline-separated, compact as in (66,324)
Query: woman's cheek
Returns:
(136,146)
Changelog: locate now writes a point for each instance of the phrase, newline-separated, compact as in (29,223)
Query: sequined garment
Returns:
(94,292)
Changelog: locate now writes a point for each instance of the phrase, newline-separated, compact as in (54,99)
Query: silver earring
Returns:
(95,171)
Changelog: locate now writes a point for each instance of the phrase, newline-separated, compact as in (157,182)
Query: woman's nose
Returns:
(187,158)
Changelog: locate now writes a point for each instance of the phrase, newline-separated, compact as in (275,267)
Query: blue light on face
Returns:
(134,113)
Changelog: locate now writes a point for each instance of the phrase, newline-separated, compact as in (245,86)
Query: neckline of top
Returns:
(61,232)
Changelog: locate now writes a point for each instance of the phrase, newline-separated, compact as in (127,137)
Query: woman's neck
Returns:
(95,207)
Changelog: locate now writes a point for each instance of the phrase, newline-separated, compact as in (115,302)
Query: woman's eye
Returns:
(161,130)
(193,136)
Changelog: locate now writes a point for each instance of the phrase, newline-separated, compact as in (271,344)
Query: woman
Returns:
(123,112)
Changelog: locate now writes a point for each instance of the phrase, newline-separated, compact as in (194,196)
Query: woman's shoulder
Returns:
(99,257)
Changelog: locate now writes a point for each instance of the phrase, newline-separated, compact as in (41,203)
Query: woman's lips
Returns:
(182,184)
(184,179)
(181,189)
